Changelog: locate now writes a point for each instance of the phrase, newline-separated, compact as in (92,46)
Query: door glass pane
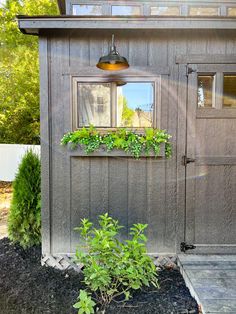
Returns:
(94,104)
(229,98)
(125,10)
(205,91)
(83,9)
(204,11)
(165,11)
(135,103)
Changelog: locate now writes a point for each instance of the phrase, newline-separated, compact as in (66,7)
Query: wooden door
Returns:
(210,222)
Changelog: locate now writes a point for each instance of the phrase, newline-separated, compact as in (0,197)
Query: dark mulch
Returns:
(26,287)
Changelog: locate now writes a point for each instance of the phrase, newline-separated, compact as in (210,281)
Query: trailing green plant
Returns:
(24,222)
(129,141)
(112,269)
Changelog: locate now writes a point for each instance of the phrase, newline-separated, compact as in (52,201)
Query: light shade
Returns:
(113,61)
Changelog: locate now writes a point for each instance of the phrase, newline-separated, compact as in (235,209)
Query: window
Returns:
(203,11)
(229,91)
(83,9)
(165,11)
(232,11)
(114,104)
(206,87)
(125,10)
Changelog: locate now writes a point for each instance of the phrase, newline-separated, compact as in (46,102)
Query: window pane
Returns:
(204,11)
(83,9)
(94,103)
(165,11)
(125,10)
(229,99)
(135,102)
(205,91)
(231,11)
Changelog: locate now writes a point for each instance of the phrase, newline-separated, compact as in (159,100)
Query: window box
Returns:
(122,142)
(102,152)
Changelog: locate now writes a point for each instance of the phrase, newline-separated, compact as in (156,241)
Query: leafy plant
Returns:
(24,223)
(127,140)
(113,269)
(85,303)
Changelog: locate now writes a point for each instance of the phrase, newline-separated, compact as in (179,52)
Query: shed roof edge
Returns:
(33,24)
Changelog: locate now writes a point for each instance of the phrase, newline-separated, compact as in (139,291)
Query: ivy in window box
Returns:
(131,142)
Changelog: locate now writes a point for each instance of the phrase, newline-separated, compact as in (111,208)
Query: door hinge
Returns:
(186,160)
(185,247)
(190,70)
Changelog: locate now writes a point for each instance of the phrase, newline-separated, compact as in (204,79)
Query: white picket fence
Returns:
(10,157)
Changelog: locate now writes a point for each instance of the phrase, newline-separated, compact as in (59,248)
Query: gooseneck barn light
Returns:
(113,61)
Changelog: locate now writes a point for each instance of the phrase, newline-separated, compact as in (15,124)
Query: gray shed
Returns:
(182,57)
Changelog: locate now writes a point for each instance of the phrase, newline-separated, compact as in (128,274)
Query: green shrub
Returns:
(85,303)
(24,221)
(113,269)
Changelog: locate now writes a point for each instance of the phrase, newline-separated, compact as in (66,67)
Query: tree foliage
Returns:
(19,73)
(127,113)
(24,223)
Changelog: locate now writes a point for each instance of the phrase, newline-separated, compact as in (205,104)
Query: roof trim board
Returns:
(32,25)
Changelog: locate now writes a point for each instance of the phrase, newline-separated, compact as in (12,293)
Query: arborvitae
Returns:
(24,223)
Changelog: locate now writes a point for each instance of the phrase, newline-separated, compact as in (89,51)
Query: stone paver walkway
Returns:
(211,280)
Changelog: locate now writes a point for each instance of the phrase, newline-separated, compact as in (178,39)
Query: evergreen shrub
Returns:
(24,222)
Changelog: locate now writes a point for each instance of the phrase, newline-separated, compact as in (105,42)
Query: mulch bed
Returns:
(28,288)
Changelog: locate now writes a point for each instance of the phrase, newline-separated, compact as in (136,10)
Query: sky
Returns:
(138,95)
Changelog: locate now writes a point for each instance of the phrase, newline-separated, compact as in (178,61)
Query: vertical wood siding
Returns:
(132,191)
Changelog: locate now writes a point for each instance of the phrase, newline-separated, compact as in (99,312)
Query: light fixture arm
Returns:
(113,47)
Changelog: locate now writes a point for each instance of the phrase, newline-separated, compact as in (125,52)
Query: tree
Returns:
(19,73)
(127,113)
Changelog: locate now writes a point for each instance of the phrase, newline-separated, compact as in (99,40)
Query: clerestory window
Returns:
(86,9)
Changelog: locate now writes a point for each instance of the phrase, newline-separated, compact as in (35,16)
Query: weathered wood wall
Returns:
(148,191)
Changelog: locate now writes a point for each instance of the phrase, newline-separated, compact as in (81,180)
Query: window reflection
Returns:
(232,11)
(83,9)
(135,102)
(205,91)
(204,11)
(125,10)
(229,97)
(94,103)
(165,11)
